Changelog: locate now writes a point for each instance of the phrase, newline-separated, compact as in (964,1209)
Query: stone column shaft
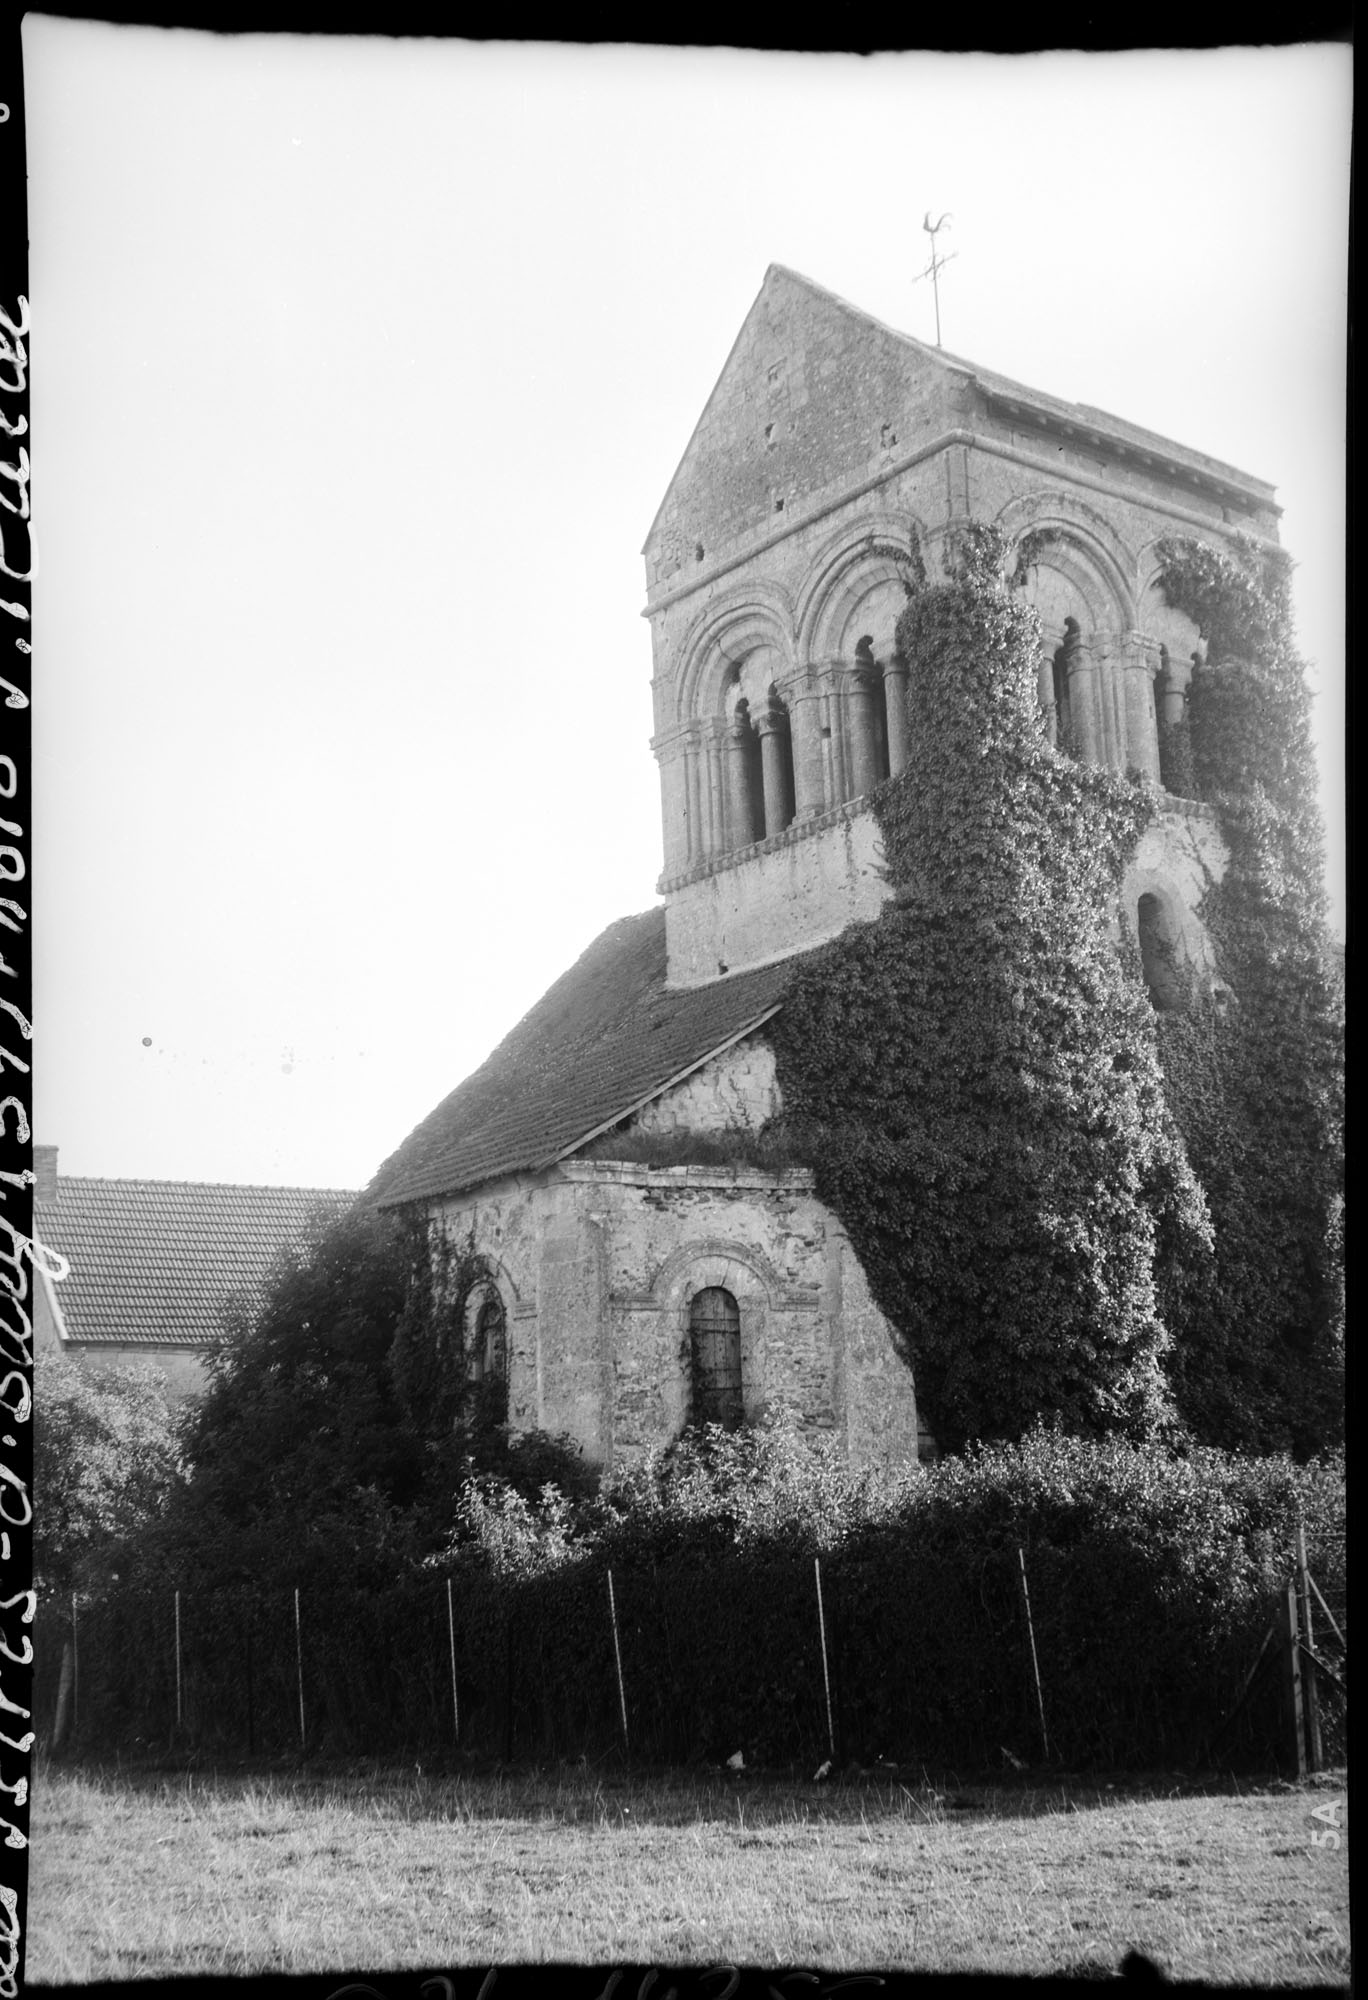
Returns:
(864,769)
(1045,695)
(838,778)
(805,735)
(740,827)
(1083,705)
(1174,685)
(1111,702)
(695,797)
(778,805)
(895,702)
(1142,708)
(717,800)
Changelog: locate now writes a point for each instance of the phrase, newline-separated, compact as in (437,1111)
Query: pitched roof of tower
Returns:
(894,368)
(607,1037)
(154,1263)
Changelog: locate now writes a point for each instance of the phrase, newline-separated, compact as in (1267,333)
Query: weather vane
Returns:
(933,269)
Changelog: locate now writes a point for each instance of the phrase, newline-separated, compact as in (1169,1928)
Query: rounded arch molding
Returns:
(493,1270)
(846,568)
(1180,931)
(1154,615)
(712,1260)
(1086,550)
(758,614)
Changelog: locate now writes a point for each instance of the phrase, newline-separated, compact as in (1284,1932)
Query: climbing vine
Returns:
(427,1358)
(974,1074)
(1256,1084)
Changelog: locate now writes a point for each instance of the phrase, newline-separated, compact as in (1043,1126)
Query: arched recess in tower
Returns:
(1095,681)
(758,780)
(1175,645)
(848,631)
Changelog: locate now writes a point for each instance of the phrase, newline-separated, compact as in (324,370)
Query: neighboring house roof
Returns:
(605,1039)
(154,1263)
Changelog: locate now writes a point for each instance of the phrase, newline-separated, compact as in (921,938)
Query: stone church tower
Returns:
(773,592)
(642,1265)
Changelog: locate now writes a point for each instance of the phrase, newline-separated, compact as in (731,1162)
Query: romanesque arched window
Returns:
(486,1335)
(715,1358)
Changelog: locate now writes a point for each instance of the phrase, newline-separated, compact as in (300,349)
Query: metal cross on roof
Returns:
(933,269)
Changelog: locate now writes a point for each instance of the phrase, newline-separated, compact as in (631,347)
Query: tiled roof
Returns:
(153,1263)
(606,1037)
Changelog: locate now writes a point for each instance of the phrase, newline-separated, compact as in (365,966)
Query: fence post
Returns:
(179,1710)
(251,1691)
(63,1696)
(1287,1609)
(1035,1660)
(299,1673)
(451,1638)
(826,1670)
(75,1673)
(1313,1729)
(508,1686)
(617,1654)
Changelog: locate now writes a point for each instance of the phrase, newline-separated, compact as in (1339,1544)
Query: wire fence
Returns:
(1011,1661)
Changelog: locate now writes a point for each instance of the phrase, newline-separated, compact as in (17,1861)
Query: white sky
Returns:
(359,369)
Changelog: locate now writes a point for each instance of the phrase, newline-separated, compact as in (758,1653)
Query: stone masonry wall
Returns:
(808,401)
(805,885)
(598,1263)
(736,1091)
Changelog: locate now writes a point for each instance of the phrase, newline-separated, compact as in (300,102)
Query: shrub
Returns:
(1151,1574)
(106,1459)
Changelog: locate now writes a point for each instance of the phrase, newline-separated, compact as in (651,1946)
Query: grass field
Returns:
(155,1874)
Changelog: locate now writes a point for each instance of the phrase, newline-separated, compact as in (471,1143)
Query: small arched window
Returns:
(486,1347)
(715,1355)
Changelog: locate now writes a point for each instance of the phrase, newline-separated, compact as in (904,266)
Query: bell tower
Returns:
(778,564)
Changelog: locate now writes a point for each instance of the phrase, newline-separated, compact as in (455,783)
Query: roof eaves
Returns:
(1092,425)
(212,1187)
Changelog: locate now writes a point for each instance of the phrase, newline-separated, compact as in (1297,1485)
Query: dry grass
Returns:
(192,1873)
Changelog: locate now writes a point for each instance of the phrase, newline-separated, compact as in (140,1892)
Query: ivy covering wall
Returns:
(1256,1082)
(1067,1205)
